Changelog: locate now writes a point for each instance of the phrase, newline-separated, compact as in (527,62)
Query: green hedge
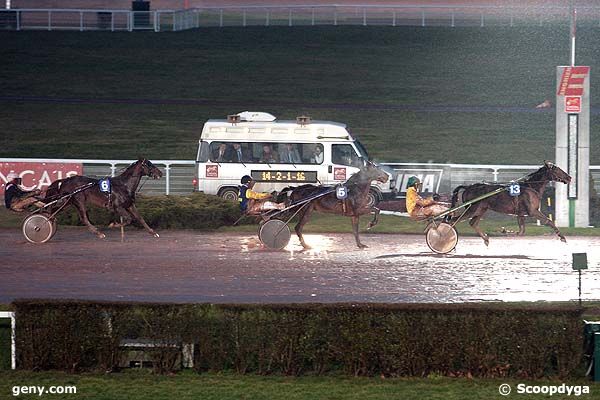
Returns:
(195,211)
(356,339)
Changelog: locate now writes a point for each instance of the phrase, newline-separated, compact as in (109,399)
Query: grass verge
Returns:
(133,385)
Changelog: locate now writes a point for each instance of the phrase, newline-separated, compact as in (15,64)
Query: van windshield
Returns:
(361,150)
(203,152)
(262,152)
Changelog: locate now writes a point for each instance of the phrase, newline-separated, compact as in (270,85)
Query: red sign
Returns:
(339,174)
(212,171)
(572,104)
(37,175)
(571,82)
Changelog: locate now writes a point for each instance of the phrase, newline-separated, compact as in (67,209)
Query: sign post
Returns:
(579,264)
(573,140)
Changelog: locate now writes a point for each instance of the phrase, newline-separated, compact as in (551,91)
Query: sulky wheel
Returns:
(38,228)
(441,238)
(275,234)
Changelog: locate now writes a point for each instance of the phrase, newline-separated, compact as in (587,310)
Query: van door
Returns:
(345,161)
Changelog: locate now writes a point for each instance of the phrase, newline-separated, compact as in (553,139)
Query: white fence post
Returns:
(168,178)
(13,337)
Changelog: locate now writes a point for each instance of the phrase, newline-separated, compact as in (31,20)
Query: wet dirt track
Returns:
(187,266)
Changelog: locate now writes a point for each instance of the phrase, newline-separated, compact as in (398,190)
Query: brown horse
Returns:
(121,199)
(526,204)
(355,205)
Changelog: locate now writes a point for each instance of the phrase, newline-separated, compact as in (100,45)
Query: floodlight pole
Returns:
(573,13)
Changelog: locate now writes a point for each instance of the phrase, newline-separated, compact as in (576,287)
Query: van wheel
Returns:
(372,198)
(229,194)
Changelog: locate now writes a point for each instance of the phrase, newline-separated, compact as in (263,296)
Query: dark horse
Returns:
(121,199)
(526,204)
(355,205)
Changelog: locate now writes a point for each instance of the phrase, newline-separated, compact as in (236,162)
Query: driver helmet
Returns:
(246,179)
(413,181)
(11,176)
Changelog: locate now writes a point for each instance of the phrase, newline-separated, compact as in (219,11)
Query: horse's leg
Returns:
(355,221)
(127,218)
(474,222)
(547,221)
(375,219)
(134,212)
(83,217)
(304,217)
(521,220)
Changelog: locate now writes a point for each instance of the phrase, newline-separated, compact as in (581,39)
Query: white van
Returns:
(278,154)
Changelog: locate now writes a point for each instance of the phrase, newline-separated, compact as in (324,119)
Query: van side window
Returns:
(221,152)
(315,154)
(262,152)
(344,154)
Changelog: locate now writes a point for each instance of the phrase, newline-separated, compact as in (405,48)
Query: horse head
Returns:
(554,173)
(371,172)
(149,169)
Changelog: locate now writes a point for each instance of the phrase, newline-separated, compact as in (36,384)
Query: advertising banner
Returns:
(37,175)
(430,178)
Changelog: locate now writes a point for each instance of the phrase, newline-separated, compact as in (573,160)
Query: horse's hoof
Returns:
(562,239)
(156,235)
(101,235)
(362,246)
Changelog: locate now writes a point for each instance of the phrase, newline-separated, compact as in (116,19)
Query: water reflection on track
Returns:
(187,266)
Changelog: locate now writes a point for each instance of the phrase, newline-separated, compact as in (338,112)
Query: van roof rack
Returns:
(303,120)
(234,118)
(256,116)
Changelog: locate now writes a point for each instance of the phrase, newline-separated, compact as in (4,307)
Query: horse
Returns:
(355,205)
(527,203)
(120,200)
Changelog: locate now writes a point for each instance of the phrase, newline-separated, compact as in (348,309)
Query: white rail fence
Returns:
(96,20)
(178,175)
(291,15)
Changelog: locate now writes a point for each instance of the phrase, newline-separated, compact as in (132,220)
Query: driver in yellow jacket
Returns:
(417,206)
(252,202)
